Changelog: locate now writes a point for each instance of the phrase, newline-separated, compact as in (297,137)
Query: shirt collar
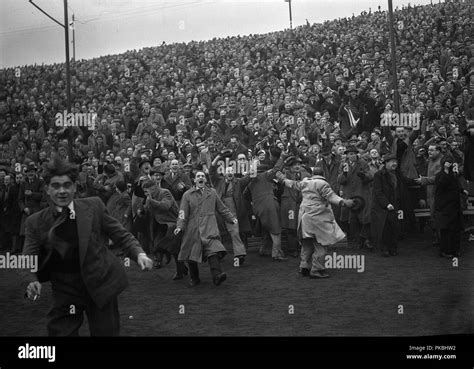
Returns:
(70,206)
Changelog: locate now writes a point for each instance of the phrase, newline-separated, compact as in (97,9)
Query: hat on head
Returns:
(227,153)
(388,157)
(353,138)
(143,161)
(158,169)
(292,160)
(109,169)
(31,166)
(351,148)
(326,150)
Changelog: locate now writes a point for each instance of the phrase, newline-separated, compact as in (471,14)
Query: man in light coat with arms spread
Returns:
(317,226)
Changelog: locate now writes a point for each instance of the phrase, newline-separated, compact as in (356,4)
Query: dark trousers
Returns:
(70,301)
(390,234)
(293,244)
(358,231)
(450,241)
(214,265)
(244,238)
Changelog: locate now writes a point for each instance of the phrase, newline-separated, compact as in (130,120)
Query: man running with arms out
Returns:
(317,227)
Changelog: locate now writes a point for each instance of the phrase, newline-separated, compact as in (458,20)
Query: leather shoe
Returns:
(241,260)
(280,258)
(218,279)
(177,277)
(319,275)
(304,272)
(194,282)
(444,255)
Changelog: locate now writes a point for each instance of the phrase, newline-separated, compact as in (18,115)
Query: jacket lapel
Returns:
(84,220)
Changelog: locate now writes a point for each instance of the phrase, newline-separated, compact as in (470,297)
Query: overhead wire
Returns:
(107,16)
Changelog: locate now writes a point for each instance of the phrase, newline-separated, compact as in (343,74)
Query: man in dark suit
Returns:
(163,214)
(389,194)
(70,238)
(177,181)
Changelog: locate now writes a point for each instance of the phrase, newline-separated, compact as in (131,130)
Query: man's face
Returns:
(174,165)
(433,152)
(400,132)
(352,156)
(150,191)
(391,165)
(61,190)
(146,167)
(374,154)
(200,179)
(31,174)
(295,168)
(157,177)
(7,180)
(229,173)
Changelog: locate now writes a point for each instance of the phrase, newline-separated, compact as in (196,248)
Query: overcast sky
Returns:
(104,27)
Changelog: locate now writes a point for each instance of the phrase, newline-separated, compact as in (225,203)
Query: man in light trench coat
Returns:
(201,240)
(317,227)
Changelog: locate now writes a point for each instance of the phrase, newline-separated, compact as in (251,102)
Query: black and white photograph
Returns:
(277,172)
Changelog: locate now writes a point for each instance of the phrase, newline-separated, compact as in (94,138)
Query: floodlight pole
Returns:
(393,57)
(68,71)
(73,38)
(291,20)
(66,35)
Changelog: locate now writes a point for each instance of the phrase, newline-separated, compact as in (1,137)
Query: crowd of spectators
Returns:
(316,93)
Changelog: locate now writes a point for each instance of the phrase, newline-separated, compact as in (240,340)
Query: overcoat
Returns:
(164,212)
(241,204)
(351,184)
(197,219)
(32,202)
(290,202)
(447,202)
(119,206)
(264,203)
(383,193)
(315,218)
